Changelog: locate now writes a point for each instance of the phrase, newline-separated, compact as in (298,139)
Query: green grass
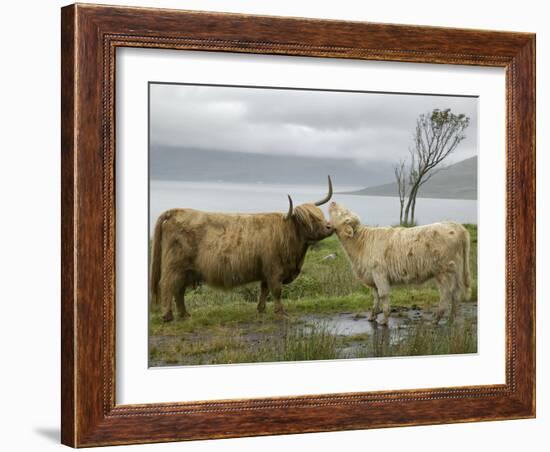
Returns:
(294,343)
(225,327)
(425,339)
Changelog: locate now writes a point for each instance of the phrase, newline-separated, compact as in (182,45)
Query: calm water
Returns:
(225,197)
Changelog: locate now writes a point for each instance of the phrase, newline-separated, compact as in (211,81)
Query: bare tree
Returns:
(436,136)
(400,178)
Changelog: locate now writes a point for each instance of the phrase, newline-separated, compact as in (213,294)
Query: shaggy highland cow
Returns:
(228,250)
(384,257)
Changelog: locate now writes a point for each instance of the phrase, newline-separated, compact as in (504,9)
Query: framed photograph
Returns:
(281,225)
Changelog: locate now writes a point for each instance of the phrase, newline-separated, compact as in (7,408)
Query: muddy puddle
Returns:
(348,323)
(403,323)
(410,331)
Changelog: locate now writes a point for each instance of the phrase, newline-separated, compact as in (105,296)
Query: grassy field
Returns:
(225,327)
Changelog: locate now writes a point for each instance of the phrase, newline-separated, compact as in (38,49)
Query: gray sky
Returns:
(358,126)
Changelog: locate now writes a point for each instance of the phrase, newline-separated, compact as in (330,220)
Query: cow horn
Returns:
(328,196)
(290,207)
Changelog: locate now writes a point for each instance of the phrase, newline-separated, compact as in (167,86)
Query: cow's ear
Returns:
(348,231)
(349,221)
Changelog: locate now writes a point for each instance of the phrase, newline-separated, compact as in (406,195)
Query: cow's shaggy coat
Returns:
(228,250)
(387,256)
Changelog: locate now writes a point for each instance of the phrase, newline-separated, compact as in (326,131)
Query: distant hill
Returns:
(458,181)
(187,164)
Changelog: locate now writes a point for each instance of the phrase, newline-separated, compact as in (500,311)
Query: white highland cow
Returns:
(388,256)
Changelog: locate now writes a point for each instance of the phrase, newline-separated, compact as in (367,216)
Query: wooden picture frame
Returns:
(90,35)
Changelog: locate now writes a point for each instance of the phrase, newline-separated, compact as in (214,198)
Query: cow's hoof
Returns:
(372,318)
(383,322)
(184,316)
(281,314)
(168,317)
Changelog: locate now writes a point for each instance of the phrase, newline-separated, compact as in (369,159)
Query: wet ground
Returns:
(402,323)
(357,336)
(348,323)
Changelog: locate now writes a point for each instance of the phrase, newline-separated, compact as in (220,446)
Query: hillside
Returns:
(457,181)
(169,163)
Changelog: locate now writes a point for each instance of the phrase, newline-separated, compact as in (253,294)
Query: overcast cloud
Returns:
(360,126)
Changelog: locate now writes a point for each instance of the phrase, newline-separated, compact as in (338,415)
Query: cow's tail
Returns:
(156,248)
(466,265)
